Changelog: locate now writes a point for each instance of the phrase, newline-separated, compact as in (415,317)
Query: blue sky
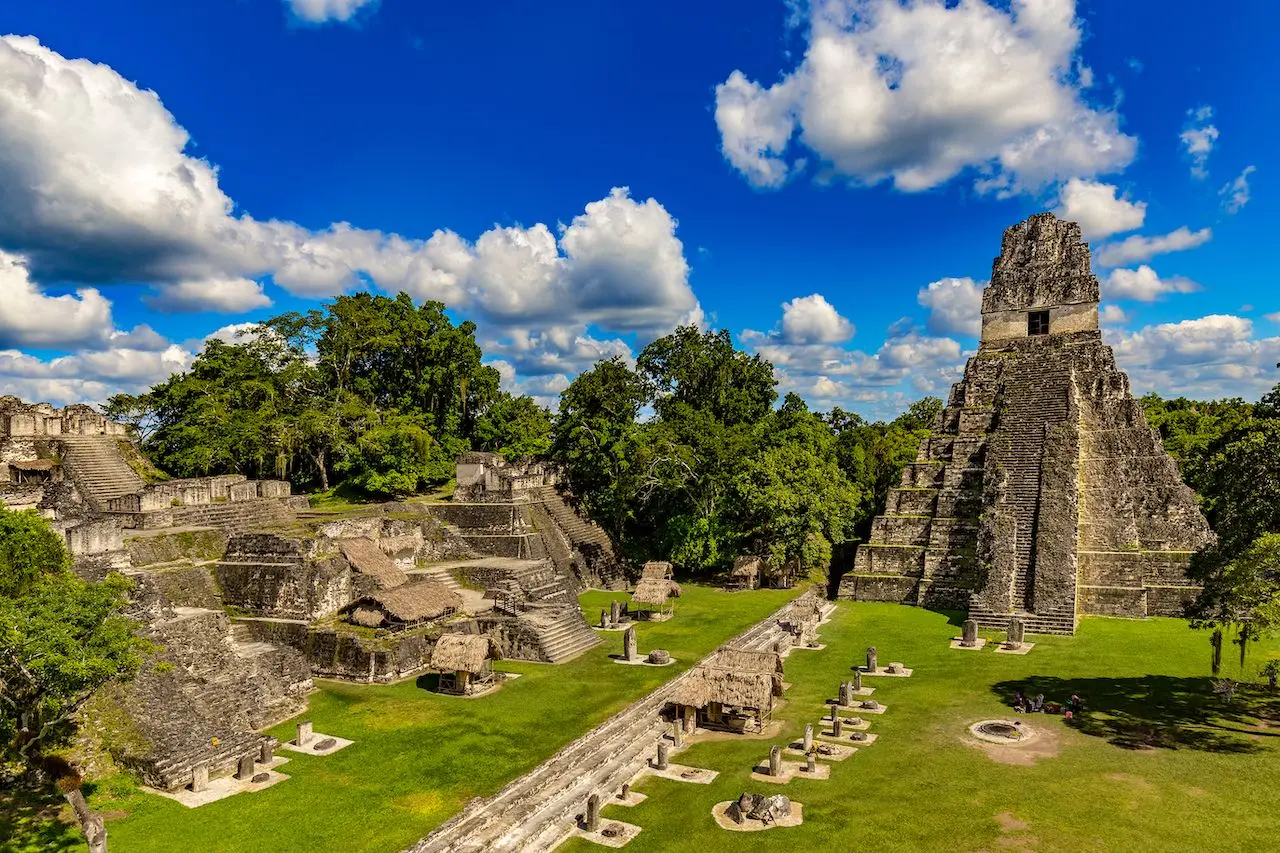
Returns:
(828,181)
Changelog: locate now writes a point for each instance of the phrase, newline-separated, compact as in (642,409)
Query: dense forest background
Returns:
(686,455)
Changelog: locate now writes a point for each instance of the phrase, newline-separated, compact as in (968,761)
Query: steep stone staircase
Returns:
(562,633)
(244,645)
(441,576)
(237,517)
(98,468)
(1036,397)
(584,536)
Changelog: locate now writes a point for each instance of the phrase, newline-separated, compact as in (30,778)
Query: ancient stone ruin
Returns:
(1042,491)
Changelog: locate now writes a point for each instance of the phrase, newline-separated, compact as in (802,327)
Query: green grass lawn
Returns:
(419,757)
(1156,763)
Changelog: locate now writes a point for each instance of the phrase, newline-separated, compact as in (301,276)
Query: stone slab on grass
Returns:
(675,772)
(318,737)
(625,832)
(825,751)
(827,734)
(643,660)
(978,644)
(225,786)
(633,798)
(884,672)
(1021,650)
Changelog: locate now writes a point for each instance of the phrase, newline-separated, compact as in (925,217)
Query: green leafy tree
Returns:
(61,638)
(1242,597)
(594,435)
(792,499)
(513,426)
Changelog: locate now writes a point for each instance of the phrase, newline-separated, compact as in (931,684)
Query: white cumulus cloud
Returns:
(1132,250)
(30,318)
(1096,208)
(813,320)
(955,306)
(1198,139)
(96,187)
(320,11)
(1144,285)
(1202,358)
(918,92)
(227,295)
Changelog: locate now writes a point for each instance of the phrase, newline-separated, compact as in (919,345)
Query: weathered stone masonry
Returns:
(1042,491)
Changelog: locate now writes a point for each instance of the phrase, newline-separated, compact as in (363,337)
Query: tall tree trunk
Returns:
(91,823)
(324,475)
(1215,640)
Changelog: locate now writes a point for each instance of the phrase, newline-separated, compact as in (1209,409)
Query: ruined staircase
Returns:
(441,576)
(584,536)
(98,469)
(562,633)
(1037,398)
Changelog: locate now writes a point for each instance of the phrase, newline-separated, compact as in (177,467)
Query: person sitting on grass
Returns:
(1037,705)
(1020,703)
(1075,705)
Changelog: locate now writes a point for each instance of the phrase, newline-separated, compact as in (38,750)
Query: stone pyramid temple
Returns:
(1042,491)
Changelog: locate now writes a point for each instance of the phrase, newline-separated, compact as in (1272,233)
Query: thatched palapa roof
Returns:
(461,653)
(656,569)
(704,685)
(655,591)
(367,558)
(744,660)
(408,603)
(34,465)
(747,566)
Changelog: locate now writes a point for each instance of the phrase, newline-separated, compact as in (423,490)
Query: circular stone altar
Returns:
(1003,732)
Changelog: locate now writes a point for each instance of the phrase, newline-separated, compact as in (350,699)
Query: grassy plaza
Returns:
(1156,762)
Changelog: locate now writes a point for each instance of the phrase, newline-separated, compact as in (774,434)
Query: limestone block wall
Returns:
(95,537)
(270,575)
(493,518)
(513,638)
(386,658)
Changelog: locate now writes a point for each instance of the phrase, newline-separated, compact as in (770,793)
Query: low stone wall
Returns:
(490,518)
(380,659)
(186,585)
(192,545)
(514,639)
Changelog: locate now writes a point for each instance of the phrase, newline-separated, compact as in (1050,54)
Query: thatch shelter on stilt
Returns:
(734,691)
(746,573)
(782,575)
(653,598)
(463,663)
(658,569)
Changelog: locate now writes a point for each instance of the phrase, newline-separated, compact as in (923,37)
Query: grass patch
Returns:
(1155,763)
(419,757)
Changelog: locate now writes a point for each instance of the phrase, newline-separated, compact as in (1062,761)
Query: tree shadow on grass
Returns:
(1158,711)
(32,822)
